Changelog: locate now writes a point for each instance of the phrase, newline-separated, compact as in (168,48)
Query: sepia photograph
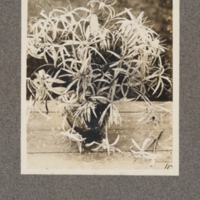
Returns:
(100,87)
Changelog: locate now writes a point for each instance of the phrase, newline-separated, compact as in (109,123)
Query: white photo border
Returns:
(136,172)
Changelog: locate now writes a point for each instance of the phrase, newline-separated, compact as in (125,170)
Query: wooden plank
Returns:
(139,135)
(39,122)
(123,106)
(140,106)
(53,141)
(129,121)
(95,161)
(49,141)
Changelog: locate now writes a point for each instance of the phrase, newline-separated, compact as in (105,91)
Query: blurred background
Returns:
(158,13)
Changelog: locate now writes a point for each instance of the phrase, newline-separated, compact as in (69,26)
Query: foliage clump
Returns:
(94,58)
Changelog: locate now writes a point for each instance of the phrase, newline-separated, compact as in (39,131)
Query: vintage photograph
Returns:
(100,87)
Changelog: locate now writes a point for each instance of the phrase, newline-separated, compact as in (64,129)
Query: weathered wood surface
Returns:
(53,141)
(45,143)
(123,106)
(95,161)
(54,122)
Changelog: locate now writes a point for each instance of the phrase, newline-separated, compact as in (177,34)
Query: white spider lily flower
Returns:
(74,136)
(104,145)
(142,153)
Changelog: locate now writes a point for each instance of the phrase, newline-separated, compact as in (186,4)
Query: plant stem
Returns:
(107,141)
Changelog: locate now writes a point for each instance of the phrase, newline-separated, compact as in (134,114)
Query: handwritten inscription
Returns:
(168,166)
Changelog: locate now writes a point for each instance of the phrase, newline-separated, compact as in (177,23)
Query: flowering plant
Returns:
(94,58)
